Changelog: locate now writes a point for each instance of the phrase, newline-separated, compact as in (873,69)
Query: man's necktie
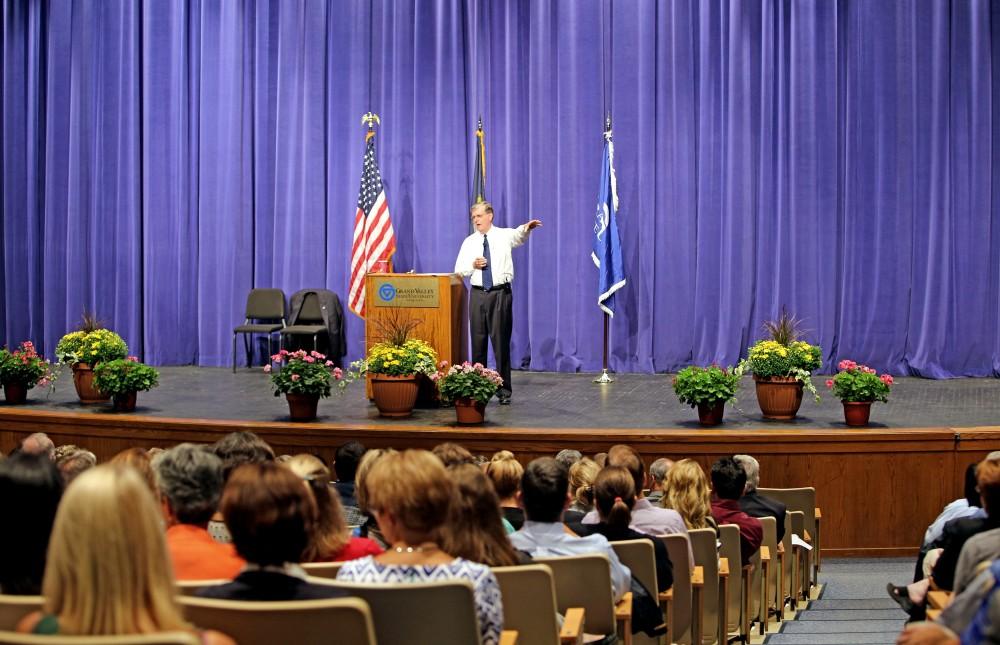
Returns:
(488,269)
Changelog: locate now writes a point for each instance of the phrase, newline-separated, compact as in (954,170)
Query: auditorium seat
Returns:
(303,622)
(322,569)
(585,581)
(529,606)
(738,589)
(768,578)
(804,500)
(716,576)
(165,638)
(682,604)
(192,587)
(14,608)
(264,314)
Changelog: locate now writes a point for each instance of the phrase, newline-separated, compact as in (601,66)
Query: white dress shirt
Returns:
(502,241)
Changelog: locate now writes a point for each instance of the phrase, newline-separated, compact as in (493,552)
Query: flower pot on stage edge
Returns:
(708,389)
(23,369)
(858,386)
(302,407)
(779,397)
(124,402)
(394,396)
(711,414)
(857,413)
(15,393)
(83,381)
(469,411)
(122,378)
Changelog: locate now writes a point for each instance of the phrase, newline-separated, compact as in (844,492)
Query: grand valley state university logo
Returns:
(387,292)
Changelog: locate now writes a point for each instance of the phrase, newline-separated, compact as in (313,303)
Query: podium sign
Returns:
(420,292)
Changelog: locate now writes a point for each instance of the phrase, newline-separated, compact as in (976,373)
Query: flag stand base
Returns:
(604,378)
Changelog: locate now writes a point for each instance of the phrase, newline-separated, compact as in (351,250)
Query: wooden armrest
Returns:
(932,614)
(667,596)
(806,536)
(781,548)
(817,513)
(698,577)
(623,609)
(723,567)
(508,637)
(746,569)
(572,627)
(939,599)
(765,554)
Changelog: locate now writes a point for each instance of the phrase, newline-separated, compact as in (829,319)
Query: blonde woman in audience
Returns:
(474,529)
(331,540)
(370,529)
(581,486)
(411,493)
(108,572)
(505,471)
(686,490)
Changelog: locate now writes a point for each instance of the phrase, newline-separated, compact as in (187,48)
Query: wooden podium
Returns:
(437,300)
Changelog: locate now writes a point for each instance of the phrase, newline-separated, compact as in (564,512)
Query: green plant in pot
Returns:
(123,378)
(470,387)
(23,369)
(83,349)
(708,389)
(858,386)
(304,378)
(782,367)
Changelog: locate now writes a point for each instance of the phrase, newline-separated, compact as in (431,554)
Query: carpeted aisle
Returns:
(853,608)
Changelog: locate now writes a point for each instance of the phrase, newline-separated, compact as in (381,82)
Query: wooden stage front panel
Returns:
(878,489)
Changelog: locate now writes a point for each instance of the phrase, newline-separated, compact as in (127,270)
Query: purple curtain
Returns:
(160,159)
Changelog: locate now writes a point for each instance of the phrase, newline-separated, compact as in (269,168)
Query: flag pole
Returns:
(605,377)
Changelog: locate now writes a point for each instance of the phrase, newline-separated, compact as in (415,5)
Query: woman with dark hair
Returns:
(30,490)
(271,517)
(474,529)
(614,497)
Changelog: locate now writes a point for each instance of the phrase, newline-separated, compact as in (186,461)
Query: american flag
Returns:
(374,239)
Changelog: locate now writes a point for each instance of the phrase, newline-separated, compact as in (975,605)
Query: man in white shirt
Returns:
(485,258)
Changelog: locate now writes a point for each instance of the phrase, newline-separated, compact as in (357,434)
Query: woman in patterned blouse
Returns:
(410,494)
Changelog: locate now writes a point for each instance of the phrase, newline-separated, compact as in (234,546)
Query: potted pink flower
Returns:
(858,386)
(470,386)
(23,369)
(304,378)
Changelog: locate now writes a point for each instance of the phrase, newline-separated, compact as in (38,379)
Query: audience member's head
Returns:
(39,443)
(30,489)
(568,457)
(282,459)
(331,533)
(657,471)
(988,480)
(269,513)
(410,494)
(108,570)
(239,448)
(685,489)
(189,479)
(474,530)
(452,454)
(63,451)
(505,472)
(601,459)
(614,496)
(971,491)
(361,477)
(628,458)
(346,460)
(74,463)
(141,460)
(581,482)
(544,490)
(752,468)
(728,478)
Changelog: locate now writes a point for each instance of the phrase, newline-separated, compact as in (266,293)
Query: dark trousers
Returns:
(491,319)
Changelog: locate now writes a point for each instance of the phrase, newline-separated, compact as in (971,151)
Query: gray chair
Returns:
(308,322)
(265,314)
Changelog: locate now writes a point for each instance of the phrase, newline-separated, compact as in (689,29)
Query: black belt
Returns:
(497,287)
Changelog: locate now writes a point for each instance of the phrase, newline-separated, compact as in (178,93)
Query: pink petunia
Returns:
(338,373)
(295,377)
(309,359)
(267,369)
(886,378)
(275,358)
(328,363)
(829,382)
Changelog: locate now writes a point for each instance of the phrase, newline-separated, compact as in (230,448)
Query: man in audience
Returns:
(239,448)
(657,471)
(569,457)
(545,495)
(452,454)
(728,482)
(189,478)
(39,443)
(73,463)
(753,503)
(345,467)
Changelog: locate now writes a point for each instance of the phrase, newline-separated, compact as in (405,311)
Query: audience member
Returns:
(30,489)
(601,459)
(753,503)
(271,517)
(73,463)
(545,495)
(370,528)
(452,454)
(657,471)
(141,460)
(614,498)
(38,443)
(345,467)
(235,450)
(474,529)
(568,457)
(189,482)
(968,505)
(686,490)
(728,482)
(332,540)
(505,472)
(581,487)
(410,495)
(108,571)
(63,451)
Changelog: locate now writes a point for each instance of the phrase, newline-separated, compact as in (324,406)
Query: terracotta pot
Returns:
(124,402)
(469,411)
(83,380)
(394,396)
(711,414)
(302,407)
(779,397)
(15,393)
(856,413)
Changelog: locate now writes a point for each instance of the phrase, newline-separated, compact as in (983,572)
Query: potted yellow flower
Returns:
(394,366)
(85,348)
(782,366)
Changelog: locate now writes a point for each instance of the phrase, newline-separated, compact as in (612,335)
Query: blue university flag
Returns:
(607,253)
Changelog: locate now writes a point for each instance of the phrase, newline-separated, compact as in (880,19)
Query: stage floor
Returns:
(545,400)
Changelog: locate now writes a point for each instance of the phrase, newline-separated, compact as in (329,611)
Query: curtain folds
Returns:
(841,159)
